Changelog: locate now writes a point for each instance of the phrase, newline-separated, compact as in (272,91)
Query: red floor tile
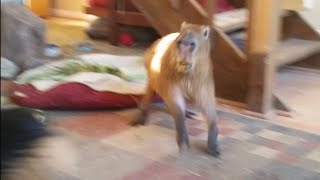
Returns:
(223,121)
(193,131)
(159,171)
(287,158)
(308,144)
(275,145)
(95,125)
(225,130)
(193,122)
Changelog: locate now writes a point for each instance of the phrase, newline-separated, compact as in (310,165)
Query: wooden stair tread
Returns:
(231,20)
(293,50)
(164,23)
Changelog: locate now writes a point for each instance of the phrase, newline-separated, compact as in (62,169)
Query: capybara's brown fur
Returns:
(180,71)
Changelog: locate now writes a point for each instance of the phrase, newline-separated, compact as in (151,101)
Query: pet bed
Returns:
(92,81)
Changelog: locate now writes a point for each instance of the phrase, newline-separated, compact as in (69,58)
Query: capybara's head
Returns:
(191,43)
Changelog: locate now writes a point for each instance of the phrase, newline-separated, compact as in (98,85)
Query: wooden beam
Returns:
(160,14)
(210,9)
(193,12)
(263,35)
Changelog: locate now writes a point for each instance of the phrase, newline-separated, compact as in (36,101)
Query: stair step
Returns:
(293,50)
(231,20)
(236,19)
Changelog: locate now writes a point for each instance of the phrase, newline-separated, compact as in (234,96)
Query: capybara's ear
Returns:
(206,31)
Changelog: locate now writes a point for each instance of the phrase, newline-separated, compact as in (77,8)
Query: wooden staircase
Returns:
(244,77)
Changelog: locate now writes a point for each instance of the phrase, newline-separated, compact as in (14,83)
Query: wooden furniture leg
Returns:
(114,26)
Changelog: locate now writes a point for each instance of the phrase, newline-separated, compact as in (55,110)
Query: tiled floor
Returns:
(251,148)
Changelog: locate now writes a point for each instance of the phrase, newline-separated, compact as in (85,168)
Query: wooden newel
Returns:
(263,34)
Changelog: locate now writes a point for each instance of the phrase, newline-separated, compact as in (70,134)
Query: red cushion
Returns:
(99,3)
(72,96)
(105,3)
(221,5)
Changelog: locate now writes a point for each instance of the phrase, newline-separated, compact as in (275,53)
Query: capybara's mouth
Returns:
(185,64)
(184,67)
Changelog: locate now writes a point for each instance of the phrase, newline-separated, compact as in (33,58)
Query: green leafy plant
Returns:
(73,67)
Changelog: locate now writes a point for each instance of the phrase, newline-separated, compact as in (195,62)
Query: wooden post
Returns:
(113,29)
(263,34)
(39,7)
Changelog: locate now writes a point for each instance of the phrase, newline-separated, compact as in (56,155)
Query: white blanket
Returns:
(130,66)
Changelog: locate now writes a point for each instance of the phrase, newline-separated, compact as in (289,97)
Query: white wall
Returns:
(69,5)
(69,8)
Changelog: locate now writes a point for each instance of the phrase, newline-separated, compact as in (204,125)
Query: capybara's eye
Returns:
(192,44)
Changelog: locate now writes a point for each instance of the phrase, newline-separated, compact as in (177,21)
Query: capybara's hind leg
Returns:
(141,118)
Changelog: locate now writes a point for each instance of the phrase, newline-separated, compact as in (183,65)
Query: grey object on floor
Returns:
(52,51)
(99,28)
(84,47)
(8,69)
(22,36)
